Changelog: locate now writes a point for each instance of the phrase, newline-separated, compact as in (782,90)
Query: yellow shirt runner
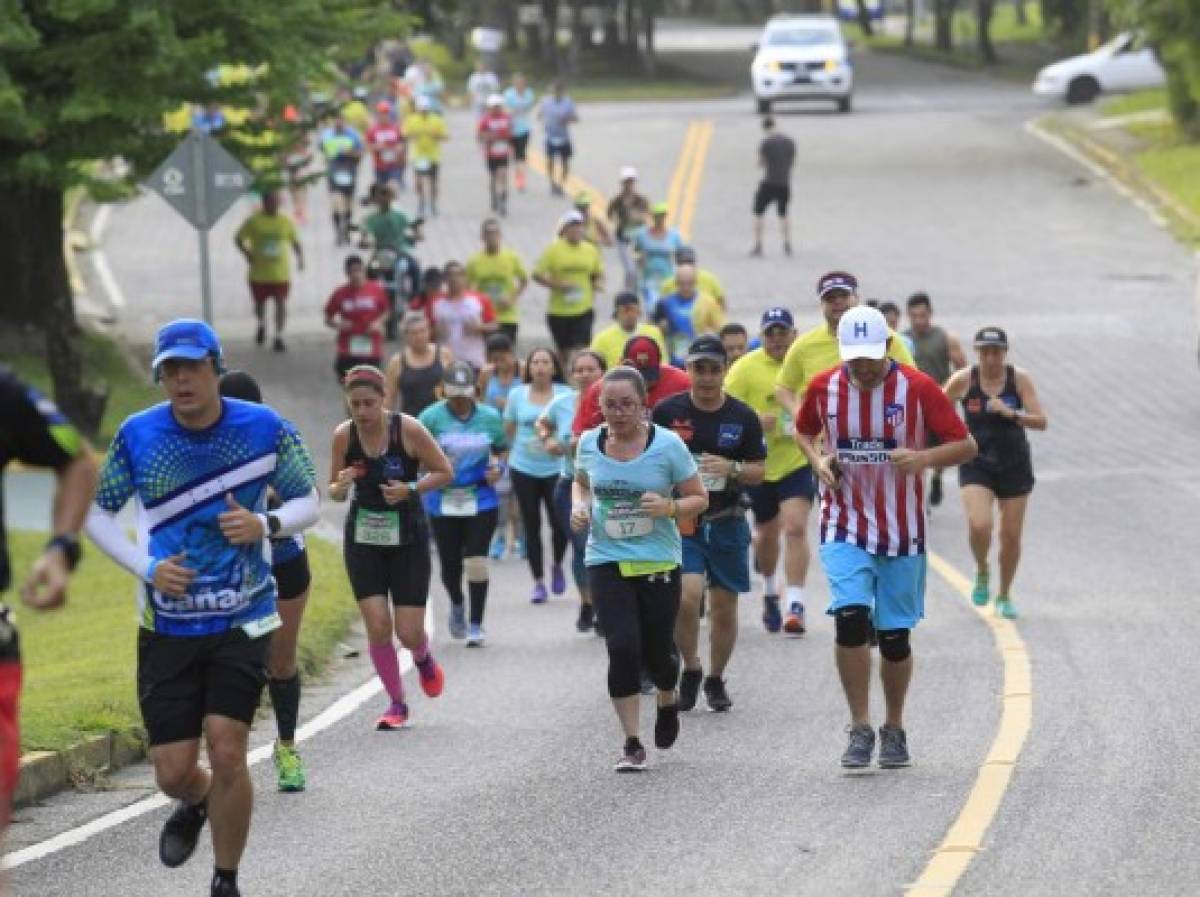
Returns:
(269,239)
(496,275)
(576,264)
(610,342)
(425,133)
(752,379)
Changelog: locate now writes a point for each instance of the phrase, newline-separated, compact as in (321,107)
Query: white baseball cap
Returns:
(495,100)
(862,333)
(628,173)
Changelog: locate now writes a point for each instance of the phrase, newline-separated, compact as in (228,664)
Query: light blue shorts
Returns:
(893,587)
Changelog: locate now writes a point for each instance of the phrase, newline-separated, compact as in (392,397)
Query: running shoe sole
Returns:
(384,726)
(626,765)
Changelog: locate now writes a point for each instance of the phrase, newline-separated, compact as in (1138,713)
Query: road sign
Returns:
(200,180)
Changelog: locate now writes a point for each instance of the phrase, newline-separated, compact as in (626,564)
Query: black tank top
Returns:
(394,464)
(1002,442)
(418,386)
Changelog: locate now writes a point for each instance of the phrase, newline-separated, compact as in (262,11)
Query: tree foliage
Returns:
(1173,29)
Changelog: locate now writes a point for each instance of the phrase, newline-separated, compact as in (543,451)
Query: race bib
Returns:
(363,346)
(271,249)
(342,178)
(460,502)
(423,165)
(574,295)
(378,528)
(500,147)
(627,521)
(259,628)
(713,482)
(387,155)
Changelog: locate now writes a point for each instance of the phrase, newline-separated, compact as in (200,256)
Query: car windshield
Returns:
(801,37)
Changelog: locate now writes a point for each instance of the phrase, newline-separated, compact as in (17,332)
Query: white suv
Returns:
(802,57)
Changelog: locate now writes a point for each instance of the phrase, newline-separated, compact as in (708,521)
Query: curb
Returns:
(44,773)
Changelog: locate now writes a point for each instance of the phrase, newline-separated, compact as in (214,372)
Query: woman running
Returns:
(414,373)
(624,475)
(534,470)
(377,455)
(498,378)
(464,512)
(999,404)
(554,428)
(289,566)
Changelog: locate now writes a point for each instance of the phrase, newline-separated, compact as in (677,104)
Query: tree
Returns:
(864,18)
(92,80)
(1173,29)
(983,29)
(943,24)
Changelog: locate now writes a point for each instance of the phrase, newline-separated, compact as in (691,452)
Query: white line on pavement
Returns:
(116,298)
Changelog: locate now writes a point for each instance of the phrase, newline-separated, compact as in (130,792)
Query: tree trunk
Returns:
(575,53)
(864,18)
(943,32)
(649,60)
(550,54)
(983,29)
(1182,102)
(631,29)
(1022,15)
(612,28)
(910,22)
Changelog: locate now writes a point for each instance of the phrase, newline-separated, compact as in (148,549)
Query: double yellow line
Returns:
(684,191)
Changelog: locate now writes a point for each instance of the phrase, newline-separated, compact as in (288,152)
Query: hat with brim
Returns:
(991,337)
(708,348)
(862,333)
(187,339)
(643,353)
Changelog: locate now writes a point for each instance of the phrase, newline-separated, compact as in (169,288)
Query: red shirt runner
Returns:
(495,130)
(876,507)
(671,381)
(360,307)
(387,145)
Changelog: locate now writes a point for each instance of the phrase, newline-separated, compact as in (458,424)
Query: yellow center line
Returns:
(678,176)
(692,191)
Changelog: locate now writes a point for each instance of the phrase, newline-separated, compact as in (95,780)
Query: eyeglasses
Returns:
(623,406)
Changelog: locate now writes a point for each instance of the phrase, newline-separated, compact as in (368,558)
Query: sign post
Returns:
(200,180)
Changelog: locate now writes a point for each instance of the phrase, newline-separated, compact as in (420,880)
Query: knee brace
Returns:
(476,569)
(852,625)
(893,644)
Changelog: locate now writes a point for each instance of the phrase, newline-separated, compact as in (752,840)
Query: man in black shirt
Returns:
(776,154)
(726,437)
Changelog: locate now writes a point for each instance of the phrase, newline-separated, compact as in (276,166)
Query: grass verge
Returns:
(1135,103)
(80,661)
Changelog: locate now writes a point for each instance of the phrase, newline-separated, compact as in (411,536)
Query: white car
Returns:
(1124,63)
(802,57)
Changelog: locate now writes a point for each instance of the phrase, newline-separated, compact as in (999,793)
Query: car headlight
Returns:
(769,66)
(832,65)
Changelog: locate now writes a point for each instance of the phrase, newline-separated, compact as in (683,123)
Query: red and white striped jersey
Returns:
(876,507)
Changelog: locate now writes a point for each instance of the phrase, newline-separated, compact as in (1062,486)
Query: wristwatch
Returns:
(274,525)
(69,546)
(736,470)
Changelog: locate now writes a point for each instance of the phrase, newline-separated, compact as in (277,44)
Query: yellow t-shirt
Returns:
(269,239)
(577,264)
(357,116)
(816,351)
(496,275)
(425,134)
(706,282)
(752,379)
(610,342)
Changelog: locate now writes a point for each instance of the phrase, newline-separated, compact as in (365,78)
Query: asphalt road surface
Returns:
(503,785)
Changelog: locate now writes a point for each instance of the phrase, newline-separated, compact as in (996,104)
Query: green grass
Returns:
(80,661)
(1174,167)
(104,361)
(1134,103)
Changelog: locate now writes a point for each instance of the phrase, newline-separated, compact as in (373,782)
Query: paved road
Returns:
(503,787)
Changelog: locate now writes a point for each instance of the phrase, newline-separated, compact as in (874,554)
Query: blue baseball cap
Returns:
(777,317)
(185,338)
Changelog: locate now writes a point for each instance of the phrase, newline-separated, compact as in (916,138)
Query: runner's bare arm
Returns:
(1033,416)
(420,443)
(956,386)
(958,358)
(391,382)
(341,478)
(581,501)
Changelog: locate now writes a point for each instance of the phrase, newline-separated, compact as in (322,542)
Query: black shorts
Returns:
(765,498)
(520,144)
(292,578)
(183,679)
(432,170)
(1011,482)
(571,331)
(496,164)
(472,534)
(402,572)
(771,193)
(562,150)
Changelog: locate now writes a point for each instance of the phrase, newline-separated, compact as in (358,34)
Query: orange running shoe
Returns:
(793,623)
(396,717)
(432,677)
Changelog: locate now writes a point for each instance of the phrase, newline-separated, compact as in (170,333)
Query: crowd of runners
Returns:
(679,456)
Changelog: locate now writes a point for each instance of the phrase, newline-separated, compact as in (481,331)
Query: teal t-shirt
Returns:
(561,414)
(620,531)
(528,456)
(469,445)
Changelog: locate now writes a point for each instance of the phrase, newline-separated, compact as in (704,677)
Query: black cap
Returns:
(991,336)
(459,380)
(707,348)
(625,297)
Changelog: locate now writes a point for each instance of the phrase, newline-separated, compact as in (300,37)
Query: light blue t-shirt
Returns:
(469,444)
(556,117)
(658,254)
(520,107)
(561,414)
(620,530)
(528,456)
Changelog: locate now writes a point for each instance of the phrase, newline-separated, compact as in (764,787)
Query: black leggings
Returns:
(638,616)
(458,538)
(532,493)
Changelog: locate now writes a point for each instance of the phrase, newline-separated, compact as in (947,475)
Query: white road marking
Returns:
(116,298)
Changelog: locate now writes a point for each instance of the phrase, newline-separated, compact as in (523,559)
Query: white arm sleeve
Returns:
(104,530)
(298,514)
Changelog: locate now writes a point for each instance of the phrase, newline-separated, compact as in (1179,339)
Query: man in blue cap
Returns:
(199,467)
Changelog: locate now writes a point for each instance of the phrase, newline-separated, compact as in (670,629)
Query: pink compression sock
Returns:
(387,667)
(421,652)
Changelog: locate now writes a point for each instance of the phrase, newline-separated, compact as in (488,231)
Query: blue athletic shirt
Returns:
(520,107)
(658,254)
(561,414)
(178,479)
(528,456)
(620,531)
(469,445)
(677,312)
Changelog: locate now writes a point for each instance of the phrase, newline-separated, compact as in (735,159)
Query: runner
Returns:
(352,106)
(654,246)
(999,403)
(342,147)
(938,354)
(385,140)
(573,272)
(535,471)
(464,512)
(463,318)
(415,372)
(736,340)
(873,516)
(34,432)
(628,212)
(595,231)
(199,468)
(377,455)
(781,502)
(500,377)
(481,85)
(661,380)
(686,314)
(776,155)
(558,113)
(391,235)
(264,239)
(519,100)
(432,288)
(610,342)
(706,281)
(554,429)
(814,351)
(425,132)
(726,439)
(494,133)
(356,310)
(289,566)
(625,473)
(498,273)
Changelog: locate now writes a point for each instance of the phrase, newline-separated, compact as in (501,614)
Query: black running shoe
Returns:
(586,619)
(666,726)
(716,696)
(222,888)
(180,833)
(689,688)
